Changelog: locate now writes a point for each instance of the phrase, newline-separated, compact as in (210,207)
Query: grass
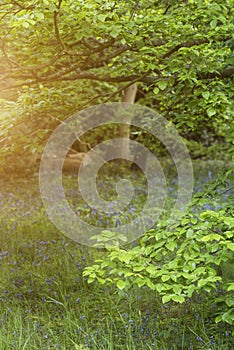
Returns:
(45,303)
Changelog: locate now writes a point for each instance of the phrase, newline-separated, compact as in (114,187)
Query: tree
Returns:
(60,56)
(178,48)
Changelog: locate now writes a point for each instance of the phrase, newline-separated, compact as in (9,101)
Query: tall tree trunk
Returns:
(128,96)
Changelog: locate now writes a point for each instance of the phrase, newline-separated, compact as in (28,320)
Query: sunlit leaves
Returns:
(183,261)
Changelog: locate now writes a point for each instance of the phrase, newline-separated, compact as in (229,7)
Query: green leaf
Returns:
(156,90)
(213,23)
(162,84)
(229,221)
(159,287)
(211,112)
(101,280)
(138,268)
(230,246)
(152,270)
(231,287)
(101,17)
(202,282)
(189,233)
(229,302)
(165,278)
(150,284)
(90,280)
(115,31)
(206,95)
(40,16)
(121,284)
(211,237)
(228,316)
(218,319)
(128,274)
(171,245)
(178,298)
(166,298)
(140,282)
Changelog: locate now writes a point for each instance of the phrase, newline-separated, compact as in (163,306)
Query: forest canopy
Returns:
(58,57)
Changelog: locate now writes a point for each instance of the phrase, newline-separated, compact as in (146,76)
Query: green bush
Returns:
(182,260)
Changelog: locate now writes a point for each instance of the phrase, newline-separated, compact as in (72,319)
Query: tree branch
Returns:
(179,46)
(189,44)
(99,48)
(56,28)
(226,73)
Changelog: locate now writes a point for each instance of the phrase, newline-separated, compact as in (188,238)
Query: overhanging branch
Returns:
(147,79)
(224,74)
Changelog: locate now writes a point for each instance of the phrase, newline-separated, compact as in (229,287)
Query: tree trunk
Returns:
(128,96)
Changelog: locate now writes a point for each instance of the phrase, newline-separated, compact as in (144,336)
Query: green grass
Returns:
(45,303)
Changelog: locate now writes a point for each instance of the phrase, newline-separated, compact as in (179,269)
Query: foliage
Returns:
(60,56)
(181,260)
